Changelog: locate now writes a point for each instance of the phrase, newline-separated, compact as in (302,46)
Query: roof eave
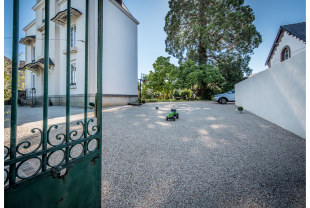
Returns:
(293,33)
(273,45)
(57,18)
(32,23)
(128,14)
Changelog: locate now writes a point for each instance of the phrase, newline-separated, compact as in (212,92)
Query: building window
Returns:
(73,74)
(43,14)
(43,45)
(73,35)
(33,54)
(33,80)
(286,53)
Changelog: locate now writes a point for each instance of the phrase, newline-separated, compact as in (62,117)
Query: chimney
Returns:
(21,64)
(120,2)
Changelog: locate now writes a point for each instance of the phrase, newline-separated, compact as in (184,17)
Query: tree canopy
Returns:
(189,75)
(160,79)
(209,31)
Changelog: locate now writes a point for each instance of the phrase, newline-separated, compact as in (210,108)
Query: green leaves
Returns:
(189,74)
(206,30)
(161,79)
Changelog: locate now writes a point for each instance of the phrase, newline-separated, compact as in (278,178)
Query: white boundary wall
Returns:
(278,94)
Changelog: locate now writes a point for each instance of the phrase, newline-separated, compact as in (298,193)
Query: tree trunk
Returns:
(202,52)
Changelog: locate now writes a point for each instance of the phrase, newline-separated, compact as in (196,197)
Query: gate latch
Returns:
(95,105)
(56,171)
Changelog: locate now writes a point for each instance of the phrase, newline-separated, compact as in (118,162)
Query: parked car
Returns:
(225,97)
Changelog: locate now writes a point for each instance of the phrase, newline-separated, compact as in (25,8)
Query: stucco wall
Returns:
(296,45)
(120,52)
(78,100)
(278,94)
(120,58)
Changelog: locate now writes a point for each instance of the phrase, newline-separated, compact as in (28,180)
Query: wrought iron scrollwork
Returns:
(6,155)
(27,144)
(58,136)
(7,176)
(74,132)
(94,128)
(70,151)
(63,158)
(96,147)
(20,164)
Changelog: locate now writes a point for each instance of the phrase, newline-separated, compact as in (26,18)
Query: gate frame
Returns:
(67,142)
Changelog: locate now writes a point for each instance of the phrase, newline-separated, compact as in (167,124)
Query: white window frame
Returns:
(73,74)
(43,35)
(286,54)
(33,53)
(33,80)
(73,36)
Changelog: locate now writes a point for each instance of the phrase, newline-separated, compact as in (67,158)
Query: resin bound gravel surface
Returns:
(211,156)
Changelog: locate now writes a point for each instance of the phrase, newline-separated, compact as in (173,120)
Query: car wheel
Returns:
(174,119)
(223,101)
(167,118)
(177,115)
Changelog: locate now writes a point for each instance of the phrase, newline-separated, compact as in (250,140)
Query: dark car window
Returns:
(233,91)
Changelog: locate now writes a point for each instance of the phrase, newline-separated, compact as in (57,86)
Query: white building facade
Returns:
(290,41)
(119,58)
(278,94)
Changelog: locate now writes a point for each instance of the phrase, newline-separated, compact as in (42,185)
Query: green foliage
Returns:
(233,69)
(8,82)
(176,93)
(161,79)
(240,108)
(156,94)
(186,93)
(210,91)
(205,31)
(190,75)
(146,93)
(227,87)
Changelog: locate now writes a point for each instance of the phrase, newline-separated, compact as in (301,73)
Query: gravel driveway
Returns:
(211,156)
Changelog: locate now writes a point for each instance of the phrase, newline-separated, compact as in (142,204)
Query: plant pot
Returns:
(240,111)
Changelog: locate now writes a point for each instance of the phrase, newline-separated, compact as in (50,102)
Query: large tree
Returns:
(233,69)
(191,76)
(210,31)
(161,79)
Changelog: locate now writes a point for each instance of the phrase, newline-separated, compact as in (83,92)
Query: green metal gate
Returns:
(80,185)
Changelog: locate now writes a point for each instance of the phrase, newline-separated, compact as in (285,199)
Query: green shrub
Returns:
(186,93)
(240,108)
(176,93)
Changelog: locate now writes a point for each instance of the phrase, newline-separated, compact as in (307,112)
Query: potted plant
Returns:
(240,109)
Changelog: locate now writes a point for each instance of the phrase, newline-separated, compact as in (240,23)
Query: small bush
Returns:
(186,93)
(240,108)
(176,93)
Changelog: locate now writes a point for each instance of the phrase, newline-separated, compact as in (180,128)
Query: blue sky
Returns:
(269,15)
